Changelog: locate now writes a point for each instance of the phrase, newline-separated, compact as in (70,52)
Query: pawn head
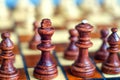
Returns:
(36,25)
(5,35)
(104,32)
(114,30)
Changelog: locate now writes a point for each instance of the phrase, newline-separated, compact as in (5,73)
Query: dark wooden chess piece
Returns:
(46,68)
(83,67)
(36,38)
(71,53)
(112,64)
(7,70)
(102,53)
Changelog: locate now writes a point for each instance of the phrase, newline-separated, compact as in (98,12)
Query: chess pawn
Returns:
(71,52)
(22,10)
(46,67)
(5,18)
(36,38)
(29,18)
(112,64)
(112,7)
(46,9)
(93,6)
(69,9)
(83,67)
(102,53)
(24,14)
(7,70)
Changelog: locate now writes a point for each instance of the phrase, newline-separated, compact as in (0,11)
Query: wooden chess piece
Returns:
(46,67)
(112,64)
(69,9)
(83,67)
(6,21)
(71,53)
(102,53)
(36,38)
(7,70)
(43,10)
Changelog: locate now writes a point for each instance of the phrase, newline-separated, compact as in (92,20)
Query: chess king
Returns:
(46,67)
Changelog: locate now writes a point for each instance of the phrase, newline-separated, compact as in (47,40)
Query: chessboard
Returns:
(19,19)
(26,59)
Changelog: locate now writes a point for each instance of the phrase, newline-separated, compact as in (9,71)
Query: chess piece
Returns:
(95,11)
(7,70)
(36,38)
(6,21)
(69,9)
(24,14)
(46,9)
(83,67)
(102,53)
(93,6)
(112,7)
(71,52)
(46,67)
(22,10)
(112,64)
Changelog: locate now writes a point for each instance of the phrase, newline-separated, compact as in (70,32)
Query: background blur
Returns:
(64,14)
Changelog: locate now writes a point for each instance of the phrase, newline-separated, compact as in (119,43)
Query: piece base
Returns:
(83,74)
(110,70)
(45,72)
(45,77)
(71,55)
(13,76)
(83,70)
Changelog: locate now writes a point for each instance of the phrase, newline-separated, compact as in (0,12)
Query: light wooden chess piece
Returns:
(96,15)
(112,7)
(69,9)
(90,6)
(20,11)
(5,18)
(25,14)
(46,9)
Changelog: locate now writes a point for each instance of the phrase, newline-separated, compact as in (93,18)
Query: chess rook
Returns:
(7,70)
(71,53)
(83,66)
(46,67)
(112,64)
(36,38)
(102,53)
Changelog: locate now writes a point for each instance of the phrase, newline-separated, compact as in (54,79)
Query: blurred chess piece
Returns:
(25,14)
(45,9)
(22,9)
(112,7)
(6,21)
(70,9)
(95,14)
(90,6)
